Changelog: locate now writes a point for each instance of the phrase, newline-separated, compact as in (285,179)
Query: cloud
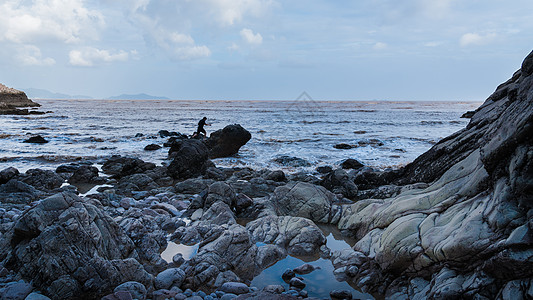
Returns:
(88,57)
(31,56)
(229,12)
(380,46)
(67,21)
(251,38)
(475,39)
(179,46)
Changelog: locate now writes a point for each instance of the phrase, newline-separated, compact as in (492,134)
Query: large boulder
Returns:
(70,248)
(226,142)
(298,236)
(302,199)
(190,159)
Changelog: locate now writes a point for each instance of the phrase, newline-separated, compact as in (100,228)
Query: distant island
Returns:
(137,97)
(46,94)
(34,93)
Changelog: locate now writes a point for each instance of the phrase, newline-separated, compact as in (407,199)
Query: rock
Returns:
(169,277)
(288,275)
(120,295)
(192,186)
(290,161)
(297,283)
(274,289)
(340,294)
(67,246)
(299,236)
(135,182)
(136,289)
(36,139)
(190,159)
(339,182)
(351,163)
(120,166)
(219,191)
(152,147)
(242,202)
(468,115)
(36,296)
(324,169)
(85,174)
(305,269)
(277,176)
(301,199)
(16,290)
(344,146)
(236,288)
(8,174)
(15,98)
(44,180)
(227,141)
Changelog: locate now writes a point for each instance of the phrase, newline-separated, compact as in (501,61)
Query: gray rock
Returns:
(169,277)
(16,290)
(339,182)
(340,294)
(301,199)
(274,289)
(297,283)
(36,296)
(219,191)
(299,236)
(83,244)
(136,289)
(8,174)
(305,269)
(236,288)
(277,175)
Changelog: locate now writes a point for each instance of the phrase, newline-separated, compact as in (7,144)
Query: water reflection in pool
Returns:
(319,282)
(172,249)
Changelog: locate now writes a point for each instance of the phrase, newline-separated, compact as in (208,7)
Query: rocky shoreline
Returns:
(11,100)
(455,223)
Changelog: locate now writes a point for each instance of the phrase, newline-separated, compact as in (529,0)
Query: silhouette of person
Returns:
(201,129)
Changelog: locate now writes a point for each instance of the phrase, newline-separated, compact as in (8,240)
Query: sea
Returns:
(380,134)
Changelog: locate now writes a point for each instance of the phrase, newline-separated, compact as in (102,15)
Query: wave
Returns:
(431,122)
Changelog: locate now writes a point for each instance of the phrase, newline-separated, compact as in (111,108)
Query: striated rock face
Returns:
(71,249)
(14,98)
(469,232)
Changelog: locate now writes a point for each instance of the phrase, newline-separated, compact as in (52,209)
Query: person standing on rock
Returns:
(201,129)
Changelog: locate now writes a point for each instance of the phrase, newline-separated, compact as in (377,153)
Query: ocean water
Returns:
(386,134)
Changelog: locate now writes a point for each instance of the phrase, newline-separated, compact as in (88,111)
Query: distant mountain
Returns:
(137,97)
(45,94)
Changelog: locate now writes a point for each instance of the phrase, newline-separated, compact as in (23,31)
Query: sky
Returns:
(265,49)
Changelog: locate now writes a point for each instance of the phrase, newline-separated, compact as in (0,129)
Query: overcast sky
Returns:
(265,49)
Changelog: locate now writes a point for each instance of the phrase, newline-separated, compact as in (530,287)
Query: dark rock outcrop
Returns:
(11,98)
(119,166)
(71,249)
(190,159)
(36,139)
(227,141)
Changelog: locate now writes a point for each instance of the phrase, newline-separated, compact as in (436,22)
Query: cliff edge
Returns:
(11,99)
